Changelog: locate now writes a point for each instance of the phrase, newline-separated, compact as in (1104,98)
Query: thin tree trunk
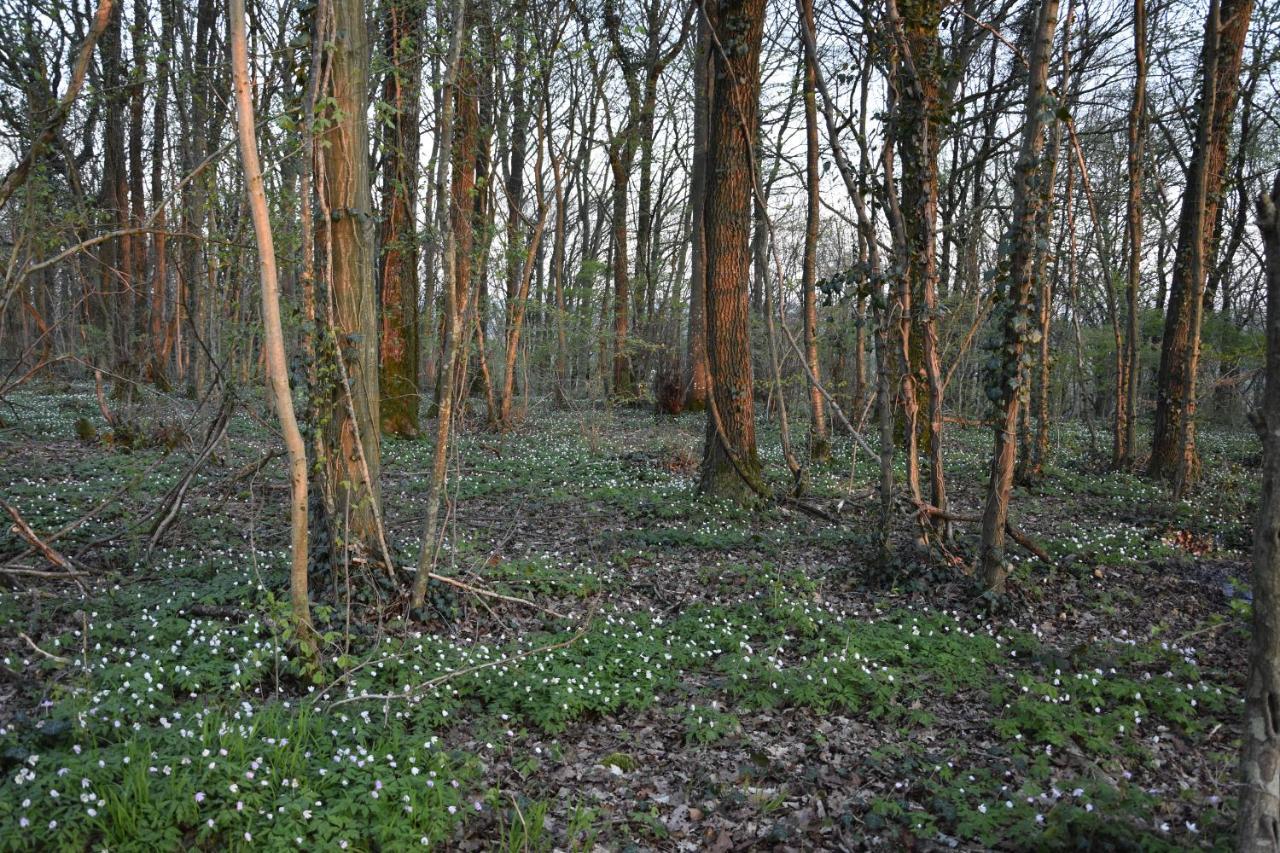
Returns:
(273,333)
(1133,231)
(453,221)
(819,440)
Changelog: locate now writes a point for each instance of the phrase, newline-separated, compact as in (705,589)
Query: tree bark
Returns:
(819,439)
(399,243)
(697,381)
(1259,817)
(1127,445)
(730,466)
(1006,384)
(273,332)
(353,440)
(1225,31)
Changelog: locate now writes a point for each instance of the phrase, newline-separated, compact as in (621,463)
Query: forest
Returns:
(586,425)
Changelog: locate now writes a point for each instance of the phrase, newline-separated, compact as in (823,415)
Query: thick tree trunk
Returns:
(1006,384)
(1259,821)
(730,466)
(1225,31)
(917,126)
(353,444)
(399,243)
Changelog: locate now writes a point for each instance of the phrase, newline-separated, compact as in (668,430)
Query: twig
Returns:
(32,643)
(475,590)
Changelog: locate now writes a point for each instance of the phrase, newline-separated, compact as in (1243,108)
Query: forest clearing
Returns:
(591,425)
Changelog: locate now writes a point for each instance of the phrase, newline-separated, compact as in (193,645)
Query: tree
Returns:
(919,110)
(697,381)
(273,331)
(1007,381)
(819,441)
(1173,447)
(352,437)
(455,187)
(640,74)
(398,267)
(1126,442)
(1259,821)
(730,466)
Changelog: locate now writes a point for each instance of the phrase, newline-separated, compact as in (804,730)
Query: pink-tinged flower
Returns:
(199,796)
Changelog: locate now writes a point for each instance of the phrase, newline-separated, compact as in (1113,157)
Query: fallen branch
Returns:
(32,643)
(488,593)
(24,570)
(45,550)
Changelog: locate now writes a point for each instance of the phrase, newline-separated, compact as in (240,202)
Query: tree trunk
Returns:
(1223,49)
(1006,384)
(819,440)
(1259,820)
(917,126)
(730,466)
(353,440)
(399,243)
(697,380)
(1128,444)
(273,332)
(619,162)
(453,224)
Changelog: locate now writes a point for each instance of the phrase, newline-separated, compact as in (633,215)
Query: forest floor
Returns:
(693,675)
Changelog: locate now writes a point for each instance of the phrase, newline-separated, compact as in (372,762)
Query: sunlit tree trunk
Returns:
(273,332)
(1006,383)
(730,466)
(1173,440)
